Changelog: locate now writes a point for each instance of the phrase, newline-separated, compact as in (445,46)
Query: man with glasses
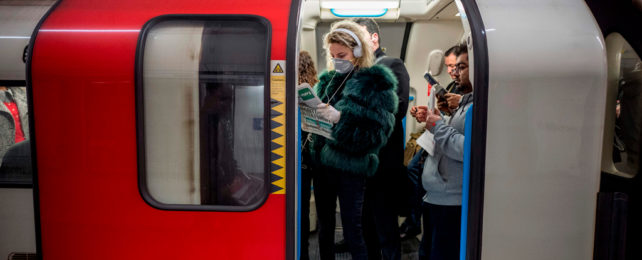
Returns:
(454,95)
(443,173)
(412,224)
(450,59)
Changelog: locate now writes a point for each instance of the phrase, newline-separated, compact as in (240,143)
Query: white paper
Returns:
(427,142)
(431,99)
(307,96)
(311,121)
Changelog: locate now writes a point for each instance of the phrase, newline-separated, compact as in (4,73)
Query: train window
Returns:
(15,152)
(624,108)
(202,104)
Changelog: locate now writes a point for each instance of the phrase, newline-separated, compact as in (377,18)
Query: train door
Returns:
(161,129)
(536,194)
(17,224)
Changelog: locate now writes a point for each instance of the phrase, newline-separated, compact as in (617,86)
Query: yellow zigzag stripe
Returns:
(280,141)
(279,151)
(280,183)
(279,119)
(279,130)
(280,162)
(279,108)
(279,172)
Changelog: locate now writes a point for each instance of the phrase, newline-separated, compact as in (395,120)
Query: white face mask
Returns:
(342,66)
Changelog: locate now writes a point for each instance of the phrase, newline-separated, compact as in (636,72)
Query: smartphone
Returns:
(430,79)
(440,92)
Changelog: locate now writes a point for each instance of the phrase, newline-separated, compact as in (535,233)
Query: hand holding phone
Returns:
(419,113)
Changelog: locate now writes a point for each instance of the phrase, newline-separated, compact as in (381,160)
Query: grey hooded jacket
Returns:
(7,125)
(443,172)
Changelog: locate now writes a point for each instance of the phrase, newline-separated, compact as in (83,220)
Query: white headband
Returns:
(357,50)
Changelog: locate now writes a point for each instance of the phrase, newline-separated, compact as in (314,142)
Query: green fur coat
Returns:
(368,103)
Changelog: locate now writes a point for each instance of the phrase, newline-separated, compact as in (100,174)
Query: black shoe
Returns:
(341,246)
(407,231)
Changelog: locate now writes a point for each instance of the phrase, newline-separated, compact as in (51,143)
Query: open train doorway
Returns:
(412,39)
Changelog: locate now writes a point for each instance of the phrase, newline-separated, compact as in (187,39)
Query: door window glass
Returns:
(15,152)
(203,102)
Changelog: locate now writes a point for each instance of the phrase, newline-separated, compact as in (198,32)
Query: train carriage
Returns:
(169,129)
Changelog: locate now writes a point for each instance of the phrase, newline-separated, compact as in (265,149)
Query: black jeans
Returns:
(442,226)
(328,184)
(307,175)
(414,170)
(380,218)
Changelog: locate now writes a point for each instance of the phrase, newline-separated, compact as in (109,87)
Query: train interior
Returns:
(418,32)
(423,28)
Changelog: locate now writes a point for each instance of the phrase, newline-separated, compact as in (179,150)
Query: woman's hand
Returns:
(329,112)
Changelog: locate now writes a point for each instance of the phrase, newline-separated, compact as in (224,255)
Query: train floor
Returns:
(409,246)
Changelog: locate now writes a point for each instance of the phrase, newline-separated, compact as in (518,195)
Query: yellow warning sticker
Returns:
(277,69)
(277,80)
(277,88)
(277,99)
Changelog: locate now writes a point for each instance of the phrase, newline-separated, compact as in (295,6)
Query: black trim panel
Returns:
(290,121)
(16,185)
(140,113)
(478,139)
(404,44)
(32,131)
(12,83)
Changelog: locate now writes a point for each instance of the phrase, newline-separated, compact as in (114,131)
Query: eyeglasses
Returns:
(460,67)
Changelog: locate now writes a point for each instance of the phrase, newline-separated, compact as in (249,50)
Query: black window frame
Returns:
(140,113)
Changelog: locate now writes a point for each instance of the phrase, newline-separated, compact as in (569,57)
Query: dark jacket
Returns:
(392,153)
(367,102)
(453,88)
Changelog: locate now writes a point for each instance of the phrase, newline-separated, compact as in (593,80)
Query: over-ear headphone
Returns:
(357,51)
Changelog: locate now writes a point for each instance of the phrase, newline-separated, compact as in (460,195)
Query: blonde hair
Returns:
(367,58)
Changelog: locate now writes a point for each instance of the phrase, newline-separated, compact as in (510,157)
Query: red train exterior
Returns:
(83,83)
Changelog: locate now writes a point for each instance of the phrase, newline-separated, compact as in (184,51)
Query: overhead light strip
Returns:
(359,4)
(359,12)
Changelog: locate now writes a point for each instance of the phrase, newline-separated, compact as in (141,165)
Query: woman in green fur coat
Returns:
(360,99)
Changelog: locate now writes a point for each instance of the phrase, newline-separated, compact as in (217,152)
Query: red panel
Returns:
(84,108)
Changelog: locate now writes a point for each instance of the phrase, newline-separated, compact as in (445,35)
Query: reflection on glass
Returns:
(15,154)
(204,111)
(626,145)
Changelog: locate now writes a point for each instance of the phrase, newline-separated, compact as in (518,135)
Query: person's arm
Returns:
(449,140)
